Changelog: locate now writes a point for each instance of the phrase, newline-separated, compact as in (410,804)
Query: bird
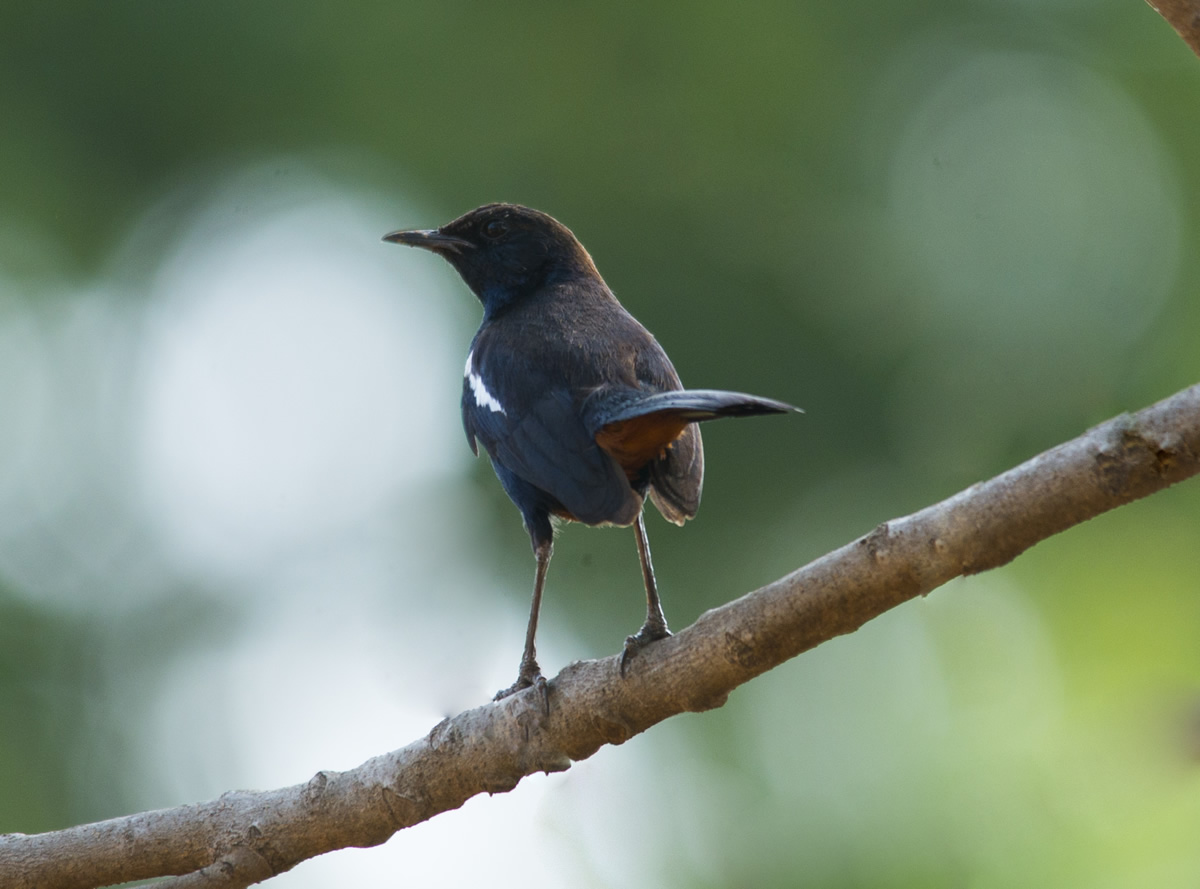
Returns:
(575,403)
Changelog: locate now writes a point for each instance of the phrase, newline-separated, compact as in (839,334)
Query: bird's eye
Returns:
(495,229)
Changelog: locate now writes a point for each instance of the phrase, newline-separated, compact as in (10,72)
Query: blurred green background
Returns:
(242,538)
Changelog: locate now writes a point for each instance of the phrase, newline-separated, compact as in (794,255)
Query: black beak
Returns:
(429,239)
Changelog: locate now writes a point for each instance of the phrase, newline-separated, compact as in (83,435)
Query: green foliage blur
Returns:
(955,234)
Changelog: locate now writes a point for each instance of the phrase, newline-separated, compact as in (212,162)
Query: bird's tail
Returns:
(696,405)
(641,430)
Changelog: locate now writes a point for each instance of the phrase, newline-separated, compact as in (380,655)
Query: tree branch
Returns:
(245,837)
(1184,17)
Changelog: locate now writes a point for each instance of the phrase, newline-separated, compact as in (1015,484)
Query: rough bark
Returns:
(1184,17)
(245,837)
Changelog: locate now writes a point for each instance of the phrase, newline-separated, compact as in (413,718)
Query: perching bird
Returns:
(576,404)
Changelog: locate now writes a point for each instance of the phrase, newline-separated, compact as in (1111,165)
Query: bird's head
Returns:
(504,251)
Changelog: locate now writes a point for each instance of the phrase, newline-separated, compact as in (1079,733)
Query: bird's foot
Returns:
(530,676)
(650,632)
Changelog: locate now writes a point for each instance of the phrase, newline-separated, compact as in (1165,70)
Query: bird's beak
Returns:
(429,239)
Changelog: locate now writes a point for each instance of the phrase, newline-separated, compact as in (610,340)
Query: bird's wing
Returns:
(530,424)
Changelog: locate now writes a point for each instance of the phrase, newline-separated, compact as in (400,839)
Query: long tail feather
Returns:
(695,405)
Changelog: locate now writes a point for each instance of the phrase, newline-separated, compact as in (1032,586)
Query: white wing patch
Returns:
(483,398)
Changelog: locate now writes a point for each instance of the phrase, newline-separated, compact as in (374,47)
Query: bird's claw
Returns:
(639,640)
(529,679)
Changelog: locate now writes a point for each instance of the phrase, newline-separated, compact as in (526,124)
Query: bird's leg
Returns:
(655,626)
(530,674)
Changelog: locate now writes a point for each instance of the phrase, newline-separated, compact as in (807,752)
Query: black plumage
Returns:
(575,403)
